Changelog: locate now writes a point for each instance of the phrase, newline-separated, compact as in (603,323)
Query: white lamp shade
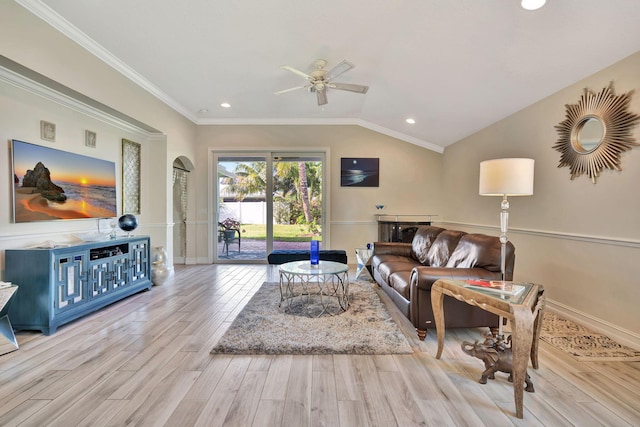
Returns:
(532,4)
(506,177)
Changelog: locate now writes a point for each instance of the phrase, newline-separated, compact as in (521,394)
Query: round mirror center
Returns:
(588,135)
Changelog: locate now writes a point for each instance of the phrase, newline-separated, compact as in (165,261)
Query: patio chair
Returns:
(228,237)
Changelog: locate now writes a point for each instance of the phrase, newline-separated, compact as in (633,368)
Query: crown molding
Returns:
(37,84)
(48,15)
(401,136)
(324,122)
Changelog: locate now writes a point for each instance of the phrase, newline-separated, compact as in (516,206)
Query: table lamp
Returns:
(506,177)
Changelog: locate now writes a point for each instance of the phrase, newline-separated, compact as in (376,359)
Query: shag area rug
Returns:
(263,327)
(583,344)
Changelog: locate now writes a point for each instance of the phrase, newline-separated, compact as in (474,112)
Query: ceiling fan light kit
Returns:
(320,79)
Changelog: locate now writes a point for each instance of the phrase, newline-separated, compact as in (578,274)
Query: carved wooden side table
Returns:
(523,311)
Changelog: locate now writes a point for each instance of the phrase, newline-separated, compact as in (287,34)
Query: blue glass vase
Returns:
(315,252)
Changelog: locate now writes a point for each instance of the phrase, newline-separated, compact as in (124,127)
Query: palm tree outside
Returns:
(297,200)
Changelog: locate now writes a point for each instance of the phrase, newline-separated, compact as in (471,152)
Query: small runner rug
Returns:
(263,327)
(583,344)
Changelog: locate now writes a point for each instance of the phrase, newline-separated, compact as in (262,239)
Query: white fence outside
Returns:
(246,212)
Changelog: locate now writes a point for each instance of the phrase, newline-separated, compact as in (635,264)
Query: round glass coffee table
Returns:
(314,291)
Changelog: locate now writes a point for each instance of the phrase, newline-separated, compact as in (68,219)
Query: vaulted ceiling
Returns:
(454,66)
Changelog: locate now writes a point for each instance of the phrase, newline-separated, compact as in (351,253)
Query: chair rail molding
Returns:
(614,241)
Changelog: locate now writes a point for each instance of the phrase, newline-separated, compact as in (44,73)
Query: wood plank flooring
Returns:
(145,361)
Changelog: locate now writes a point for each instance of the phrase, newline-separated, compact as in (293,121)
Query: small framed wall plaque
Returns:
(90,138)
(47,131)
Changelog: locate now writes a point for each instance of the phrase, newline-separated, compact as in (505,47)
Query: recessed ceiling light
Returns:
(410,121)
(225,105)
(203,110)
(532,4)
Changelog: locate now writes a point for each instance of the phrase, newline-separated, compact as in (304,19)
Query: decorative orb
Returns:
(128,222)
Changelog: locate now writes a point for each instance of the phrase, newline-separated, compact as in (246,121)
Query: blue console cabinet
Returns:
(62,284)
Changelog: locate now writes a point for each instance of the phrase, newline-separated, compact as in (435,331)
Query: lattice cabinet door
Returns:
(107,275)
(70,280)
(139,258)
(120,270)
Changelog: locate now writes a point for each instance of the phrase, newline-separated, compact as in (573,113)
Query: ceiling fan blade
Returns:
(280,92)
(322,96)
(298,72)
(350,87)
(338,69)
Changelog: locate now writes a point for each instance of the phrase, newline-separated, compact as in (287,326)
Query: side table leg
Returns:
(8,341)
(522,336)
(437,299)
(538,313)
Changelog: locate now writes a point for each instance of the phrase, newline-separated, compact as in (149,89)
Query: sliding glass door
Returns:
(297,200)
(267,201)
(241,227)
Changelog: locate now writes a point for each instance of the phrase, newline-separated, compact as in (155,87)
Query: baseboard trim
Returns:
(620,335)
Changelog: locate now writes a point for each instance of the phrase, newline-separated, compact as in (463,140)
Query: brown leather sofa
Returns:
(406,272)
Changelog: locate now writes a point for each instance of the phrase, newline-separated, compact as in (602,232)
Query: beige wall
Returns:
(28,41)
(581,240)
(409,175)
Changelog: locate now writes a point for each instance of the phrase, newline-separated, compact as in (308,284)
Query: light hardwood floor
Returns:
(146,361)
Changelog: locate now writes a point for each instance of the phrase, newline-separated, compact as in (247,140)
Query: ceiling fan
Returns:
(321,79)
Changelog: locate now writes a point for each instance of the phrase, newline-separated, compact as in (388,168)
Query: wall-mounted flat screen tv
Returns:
(51,184)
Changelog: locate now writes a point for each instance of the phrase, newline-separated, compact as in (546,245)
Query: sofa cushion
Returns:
(388,264)
(376,260)
(477,250)
(442,248)
(422,241)
(400,281)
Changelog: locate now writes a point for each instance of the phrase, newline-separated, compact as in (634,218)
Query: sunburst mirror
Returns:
(597,129)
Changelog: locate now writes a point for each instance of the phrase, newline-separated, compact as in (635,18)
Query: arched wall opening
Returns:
(182,167)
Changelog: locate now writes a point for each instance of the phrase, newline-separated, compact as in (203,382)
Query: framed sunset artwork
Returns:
(51,184)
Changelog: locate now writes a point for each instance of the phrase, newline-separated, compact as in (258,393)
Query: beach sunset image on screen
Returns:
(51,184)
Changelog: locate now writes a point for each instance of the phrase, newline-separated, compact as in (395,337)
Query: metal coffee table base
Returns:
(314,291)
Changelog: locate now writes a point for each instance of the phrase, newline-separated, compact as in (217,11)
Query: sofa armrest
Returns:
(457,314)
(422,278)
(392,248)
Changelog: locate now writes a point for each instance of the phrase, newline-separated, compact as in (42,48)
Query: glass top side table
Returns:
(362,255)
(524,313)
(8,341)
